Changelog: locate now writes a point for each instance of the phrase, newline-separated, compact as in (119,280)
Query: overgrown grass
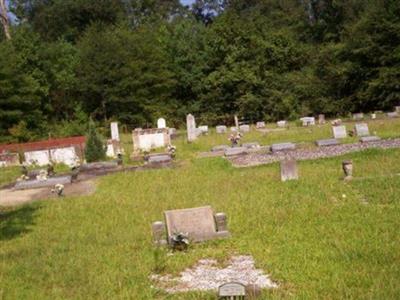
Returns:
(318,237)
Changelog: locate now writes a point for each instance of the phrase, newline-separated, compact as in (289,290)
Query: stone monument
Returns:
(289,170)
(339,132)
(114,131)
(161,123)
(191,128)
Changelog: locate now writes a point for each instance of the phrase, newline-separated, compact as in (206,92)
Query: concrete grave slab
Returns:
(219,148)
(283,147)
(244,128)
(159,158)
(281,124)
(393,114)
(327,142)
(307,121)
(366,139)
(358,116)
(147,139)
(252,145)
(50,182)
(232,151)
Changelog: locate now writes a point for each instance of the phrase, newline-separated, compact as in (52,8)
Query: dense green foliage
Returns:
(137,60)
(95,149)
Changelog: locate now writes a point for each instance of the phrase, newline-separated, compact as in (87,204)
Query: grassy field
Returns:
(318,237)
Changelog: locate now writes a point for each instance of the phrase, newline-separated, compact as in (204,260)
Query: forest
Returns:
(63,62)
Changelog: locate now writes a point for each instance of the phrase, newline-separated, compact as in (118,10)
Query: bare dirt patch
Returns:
(11,197)
(206,275)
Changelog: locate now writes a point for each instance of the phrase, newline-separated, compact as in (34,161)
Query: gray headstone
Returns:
(283,147)
(98,165)
(191,128)
(392,114)
(362,129)
(235,151)
(327,142)
(281,124)
(366,139)
(159,158)
(307,121)
(50,182)
(114,131)
(244,128)
(260,125)
(321,119)
(289,170)
(253,145)
(221,129)
(232,290)
(339,132)
(219,148)
(358,116)
(198,223)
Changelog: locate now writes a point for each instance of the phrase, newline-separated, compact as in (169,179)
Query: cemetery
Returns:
(199,149)
(196,233)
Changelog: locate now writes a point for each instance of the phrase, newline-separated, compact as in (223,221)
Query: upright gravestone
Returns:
(236,122)
(339,132)
(321,119)
(244,128)
(289,170)
(393,114)
(203,129)
(358,116)
(191,128)
(362,129)
(397,108)
(307,121)
(114,131)
(161,123)
(260,125)
(232,290)
(281,123)
(221,129)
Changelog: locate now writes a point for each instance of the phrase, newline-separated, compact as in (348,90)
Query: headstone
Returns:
(362,129)
(260,125)
(161,123)
(397,108)
(152,138)
(191,128)
(203,129)
(321,119)
(236,121)
(339,132)
(283,147)
(221,129)
(289,170)
(244,128)
(234,129)
(94,166)
(358,116)
(172,132)
(373,116)
(159,234)
(366,139)
(32,184)
(393,114)
(327,142)
(114,131)
(281,124)
(253,145)
(235,151)
(308,121)
(159,158)
(198,223)
(232,290)
(219,148)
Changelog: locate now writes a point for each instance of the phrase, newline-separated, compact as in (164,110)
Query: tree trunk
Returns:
(4,19)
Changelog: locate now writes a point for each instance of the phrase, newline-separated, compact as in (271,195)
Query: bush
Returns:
(94,150)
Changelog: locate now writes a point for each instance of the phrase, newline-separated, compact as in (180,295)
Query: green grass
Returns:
(318,237)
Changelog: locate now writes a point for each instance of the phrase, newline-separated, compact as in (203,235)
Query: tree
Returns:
(4,19)
(94,148)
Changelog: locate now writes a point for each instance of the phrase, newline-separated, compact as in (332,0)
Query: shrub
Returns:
(94,150)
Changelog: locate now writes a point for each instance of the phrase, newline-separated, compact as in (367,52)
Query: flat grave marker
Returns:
(327,142)
(283,147)
(32,184)
(221,129)
(232,151)
(232,290)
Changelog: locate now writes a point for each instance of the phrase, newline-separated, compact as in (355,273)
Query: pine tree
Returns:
(94,150)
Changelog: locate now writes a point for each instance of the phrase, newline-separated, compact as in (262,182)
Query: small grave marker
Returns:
(366,139)
(232,151)
(244,128)
(358,116)
(221,129)
(339,132)
(203,129)
(161,123)
(321,119)
(219,148)
(362,129)
(283,147)
(327,142)
(114,131)
(232,290)
(393,114)
(260,125)
(289,170)
(191,128)
(307,121)
(253,145)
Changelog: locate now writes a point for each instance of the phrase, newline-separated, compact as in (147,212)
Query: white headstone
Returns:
(307,121)
(281,123)
(221,129)
(114,131)
(339,132)
(362,129)
(161,123)
(191,128)
(244,128)
(260,125)
(203,129)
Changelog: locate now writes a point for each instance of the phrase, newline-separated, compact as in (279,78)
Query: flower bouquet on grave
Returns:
(180,241)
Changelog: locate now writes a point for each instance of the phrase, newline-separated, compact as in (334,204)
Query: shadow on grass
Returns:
(16,222)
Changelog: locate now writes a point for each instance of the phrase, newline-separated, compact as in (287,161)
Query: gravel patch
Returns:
(206,275)
(254,159)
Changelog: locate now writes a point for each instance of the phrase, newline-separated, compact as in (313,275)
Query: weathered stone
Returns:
(219,148)
(244,128)
(159,234)
(159,158)
(397,109)
(347,167)
(221,129)
(366,139)
(98,165)
(172,132)
(114,131)
(253,145)
(231,290)
(358,116)
(339,132)
(393,114)
(281,124)
(203,129)
(373,116)
(161,123)
(198,223)
(232,151)
(321,119)
(236,121)
(191,128)
(221,222)
(32,184)
(362,129)
(289,170)
(147,139)
(327,142)
(234,129)
(283,147)
(307,121)
(260,125)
